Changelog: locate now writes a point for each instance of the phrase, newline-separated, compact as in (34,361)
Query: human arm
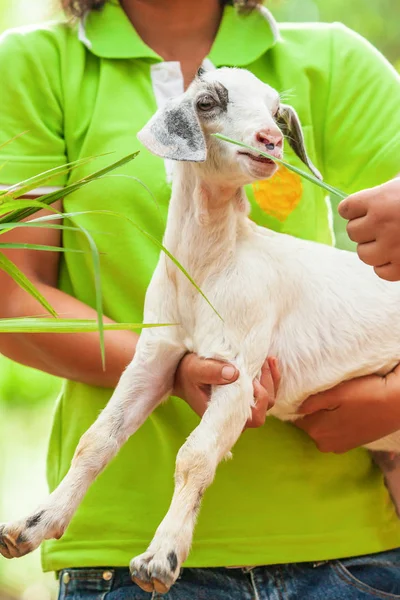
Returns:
(353,413)
(72,356)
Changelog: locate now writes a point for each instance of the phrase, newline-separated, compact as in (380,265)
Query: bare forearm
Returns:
(71,356)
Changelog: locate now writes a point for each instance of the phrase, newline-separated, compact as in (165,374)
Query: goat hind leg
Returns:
(158,568)
(146,381)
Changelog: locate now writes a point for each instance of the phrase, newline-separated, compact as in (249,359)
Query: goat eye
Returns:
(206,103)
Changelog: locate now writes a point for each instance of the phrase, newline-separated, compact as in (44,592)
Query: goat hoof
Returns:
(160,586)
(24,536)
(155,571)
(13,542)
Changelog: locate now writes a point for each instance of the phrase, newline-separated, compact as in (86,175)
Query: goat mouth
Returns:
(258,158)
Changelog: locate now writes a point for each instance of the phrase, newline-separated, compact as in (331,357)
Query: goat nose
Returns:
(269,139)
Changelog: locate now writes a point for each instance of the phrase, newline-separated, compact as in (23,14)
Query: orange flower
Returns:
(279,195)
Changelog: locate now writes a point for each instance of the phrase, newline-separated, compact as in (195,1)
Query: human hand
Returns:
(374,224)
(353,413)
(195,376)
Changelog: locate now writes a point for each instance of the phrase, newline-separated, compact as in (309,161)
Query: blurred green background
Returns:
(27,396)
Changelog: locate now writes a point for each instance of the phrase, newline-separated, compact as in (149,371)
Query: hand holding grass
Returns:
(374,224)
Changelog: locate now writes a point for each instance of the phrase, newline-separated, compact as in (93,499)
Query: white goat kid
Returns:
(323,313)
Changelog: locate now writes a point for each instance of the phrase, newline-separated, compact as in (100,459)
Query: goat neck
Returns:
(205,218)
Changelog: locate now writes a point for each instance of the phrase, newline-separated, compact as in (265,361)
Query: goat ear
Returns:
(289,123)
(174,132)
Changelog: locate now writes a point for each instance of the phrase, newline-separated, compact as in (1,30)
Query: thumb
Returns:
(354,206)
(327,400)
(211,372)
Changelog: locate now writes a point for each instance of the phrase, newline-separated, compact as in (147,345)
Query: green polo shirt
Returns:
(87,91)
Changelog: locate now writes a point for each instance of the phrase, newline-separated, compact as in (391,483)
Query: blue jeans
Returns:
(362,578)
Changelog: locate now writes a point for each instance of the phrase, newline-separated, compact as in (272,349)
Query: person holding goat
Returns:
(294,522)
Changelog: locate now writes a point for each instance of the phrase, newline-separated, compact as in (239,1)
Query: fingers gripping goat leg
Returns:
(143,385)
(197,460)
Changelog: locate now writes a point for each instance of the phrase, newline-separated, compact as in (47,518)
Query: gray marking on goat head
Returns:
(223,95)
(175,132)
(179,122)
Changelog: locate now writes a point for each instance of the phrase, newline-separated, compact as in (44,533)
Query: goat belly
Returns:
(335,320)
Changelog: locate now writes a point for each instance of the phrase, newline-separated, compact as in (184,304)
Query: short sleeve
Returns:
(31,102)
(362,128)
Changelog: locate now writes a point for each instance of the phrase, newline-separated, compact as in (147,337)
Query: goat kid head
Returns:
(235,103)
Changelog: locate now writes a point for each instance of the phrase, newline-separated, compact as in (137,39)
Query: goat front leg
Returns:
(230,407)
(144,384)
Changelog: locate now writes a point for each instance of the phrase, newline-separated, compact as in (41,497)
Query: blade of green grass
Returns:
(47,199)
(48,325)
(148,190)
(12,205)
(11,269)
(37,223)
(4,144)
(12,246)
(304,174)
(174,260)
(98,292)
(23,187)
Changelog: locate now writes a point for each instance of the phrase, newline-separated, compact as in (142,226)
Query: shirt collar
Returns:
(240,40)
(243,38)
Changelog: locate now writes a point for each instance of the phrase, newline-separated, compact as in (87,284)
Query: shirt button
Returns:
(66,578)
(107,575)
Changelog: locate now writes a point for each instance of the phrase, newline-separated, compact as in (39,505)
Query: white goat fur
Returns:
(323,313)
